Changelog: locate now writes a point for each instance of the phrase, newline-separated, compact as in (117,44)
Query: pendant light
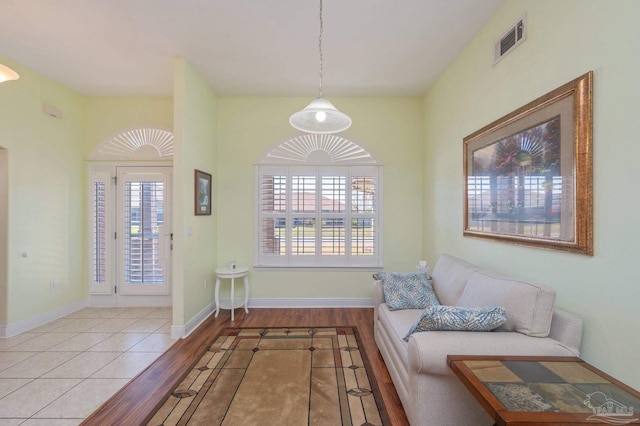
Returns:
(320,116)
(7,74)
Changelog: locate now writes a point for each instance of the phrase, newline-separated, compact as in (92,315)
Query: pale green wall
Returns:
(390,128)
(565,39)
(195,148)
(4,230)
(45,175)
(107,116)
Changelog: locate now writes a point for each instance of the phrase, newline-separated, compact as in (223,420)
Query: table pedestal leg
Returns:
(217,293)
(246,293)
(232,298)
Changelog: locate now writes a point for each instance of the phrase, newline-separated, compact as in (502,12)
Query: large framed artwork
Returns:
(528,177)
(202,193)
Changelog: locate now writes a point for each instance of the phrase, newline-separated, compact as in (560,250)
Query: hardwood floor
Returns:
(134,403)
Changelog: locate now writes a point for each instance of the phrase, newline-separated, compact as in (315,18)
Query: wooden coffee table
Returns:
(517,390)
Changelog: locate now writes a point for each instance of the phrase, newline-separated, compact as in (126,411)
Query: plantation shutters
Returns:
(100,193)
(318,216)
(143,248)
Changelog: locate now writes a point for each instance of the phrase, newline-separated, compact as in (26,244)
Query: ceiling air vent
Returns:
(511,39)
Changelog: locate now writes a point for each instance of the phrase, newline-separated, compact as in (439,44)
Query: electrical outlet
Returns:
(52,285)
(206,282)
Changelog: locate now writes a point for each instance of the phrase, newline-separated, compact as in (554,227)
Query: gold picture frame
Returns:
(528,177)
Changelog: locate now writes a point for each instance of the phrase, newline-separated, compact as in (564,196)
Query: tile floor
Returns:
(58,374)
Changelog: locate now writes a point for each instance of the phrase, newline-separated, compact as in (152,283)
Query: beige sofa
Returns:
(430,393)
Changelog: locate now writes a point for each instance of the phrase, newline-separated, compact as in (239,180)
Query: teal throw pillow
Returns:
(459,318)
(406,290)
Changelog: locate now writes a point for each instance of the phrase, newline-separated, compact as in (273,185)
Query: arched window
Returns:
(136,143)
(318,204)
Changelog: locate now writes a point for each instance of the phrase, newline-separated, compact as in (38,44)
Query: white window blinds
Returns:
(101,235)
(317,216)
(143,215)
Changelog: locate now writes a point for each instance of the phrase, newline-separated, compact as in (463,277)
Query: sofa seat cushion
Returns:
(398,322)
(427,351)
(459,318)
(529,306)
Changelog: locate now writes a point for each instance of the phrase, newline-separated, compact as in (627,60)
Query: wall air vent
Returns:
(511,39)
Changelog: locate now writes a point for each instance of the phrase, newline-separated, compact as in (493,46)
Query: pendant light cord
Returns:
(320,49)
(320,116)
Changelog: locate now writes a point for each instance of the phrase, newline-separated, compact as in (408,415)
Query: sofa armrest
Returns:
(378,293)
(566,328)
(378,299)
(428,350)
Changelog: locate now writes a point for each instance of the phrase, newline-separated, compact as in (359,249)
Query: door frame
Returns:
(106,296)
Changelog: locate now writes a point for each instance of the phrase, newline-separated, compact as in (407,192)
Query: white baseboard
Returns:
(35,321)
(311,303)
(182,331)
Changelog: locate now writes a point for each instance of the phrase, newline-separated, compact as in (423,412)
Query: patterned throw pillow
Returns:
(459,318)
(406,290)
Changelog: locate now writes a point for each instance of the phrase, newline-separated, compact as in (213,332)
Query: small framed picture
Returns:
(202,193)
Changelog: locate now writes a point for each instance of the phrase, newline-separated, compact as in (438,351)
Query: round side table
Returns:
(238,272)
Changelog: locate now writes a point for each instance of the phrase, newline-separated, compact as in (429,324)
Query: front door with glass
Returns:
(130,210)
(143,231)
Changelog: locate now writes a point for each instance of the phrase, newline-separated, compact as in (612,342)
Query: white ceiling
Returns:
(241,47)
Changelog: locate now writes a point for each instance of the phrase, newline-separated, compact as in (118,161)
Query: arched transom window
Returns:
(318,204)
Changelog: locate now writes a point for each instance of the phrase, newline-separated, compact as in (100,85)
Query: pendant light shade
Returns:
(320,116)
(7,74)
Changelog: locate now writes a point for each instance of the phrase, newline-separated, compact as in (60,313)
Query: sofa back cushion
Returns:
(529,306)
(450,276)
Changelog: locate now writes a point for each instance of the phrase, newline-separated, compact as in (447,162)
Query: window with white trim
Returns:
(319,209)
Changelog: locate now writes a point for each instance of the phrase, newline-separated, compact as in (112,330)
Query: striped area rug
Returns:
(278,376)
